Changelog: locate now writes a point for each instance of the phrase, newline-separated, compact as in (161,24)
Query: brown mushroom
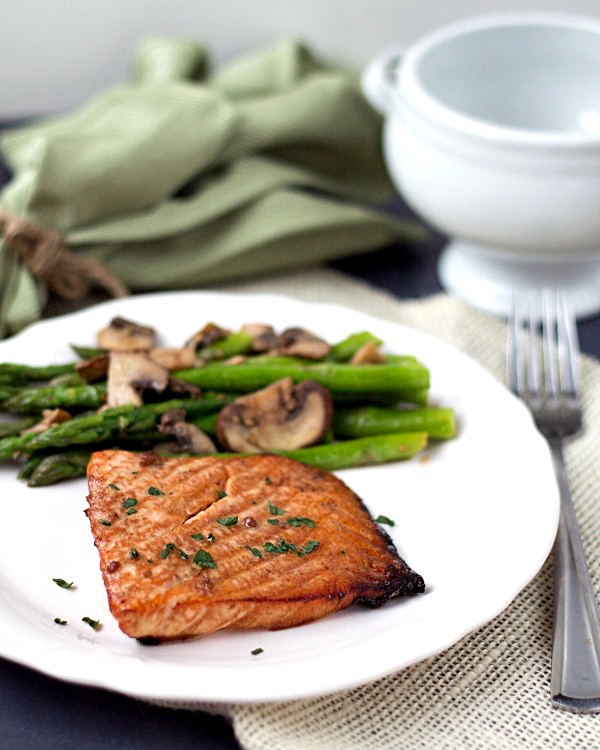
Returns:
(368,354)
(297,342)
(125,336)
(50,417)
(93,370)
(130,373)
(189,437)
(263,335)
(210,333)
(177,358)
(282,416)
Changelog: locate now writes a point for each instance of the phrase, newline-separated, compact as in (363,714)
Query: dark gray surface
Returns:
(41,712)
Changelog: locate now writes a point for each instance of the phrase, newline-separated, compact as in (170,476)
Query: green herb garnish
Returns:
(155,491)
(228,521)
(169,547)
(221,494)
(311,546)
(130,502)
(204,559)
(257,651)
(298,521)
(274,509)
(62,583)
(133,553)
(58,621)
(255,552)
(198,537)
(104,522)
(114,487)
(385,520)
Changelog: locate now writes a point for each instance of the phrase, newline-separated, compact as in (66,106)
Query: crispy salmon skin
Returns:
(188,546)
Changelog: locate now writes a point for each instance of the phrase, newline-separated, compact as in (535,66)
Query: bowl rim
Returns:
(409,91)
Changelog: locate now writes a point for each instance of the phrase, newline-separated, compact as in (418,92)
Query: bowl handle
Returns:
(378,81)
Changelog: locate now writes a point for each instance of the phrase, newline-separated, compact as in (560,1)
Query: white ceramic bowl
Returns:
(492,135)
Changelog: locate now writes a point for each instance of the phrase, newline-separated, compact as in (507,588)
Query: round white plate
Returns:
(476,519)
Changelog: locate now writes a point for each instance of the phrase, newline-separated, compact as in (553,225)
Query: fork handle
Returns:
(575,682)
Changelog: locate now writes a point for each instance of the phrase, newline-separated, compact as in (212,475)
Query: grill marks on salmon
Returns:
(303,545)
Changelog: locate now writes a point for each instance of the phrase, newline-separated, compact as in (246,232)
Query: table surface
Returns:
(40,712)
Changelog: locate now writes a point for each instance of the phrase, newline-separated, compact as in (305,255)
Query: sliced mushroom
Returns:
(178,358)
(263,335)
(50,417)
(368,354)
(189,437)
(125,336)
(210,333)
(297,342)
(130,373)
(282,416)
(93,370)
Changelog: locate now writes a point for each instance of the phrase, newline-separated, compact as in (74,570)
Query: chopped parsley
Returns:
(204,559)
(114,487)
(221,494)
(198,537)
(268,480)
(131,511)
(133,553)
(58,621)
(273,521)
(169,547)
(298,521)
(228,520)
(104,522)
(155,491)
(257,651)
(311,546)
(385,520)
(256,552)
(130,502)
(282,548)
(274,509)
(62,583)
(94,624)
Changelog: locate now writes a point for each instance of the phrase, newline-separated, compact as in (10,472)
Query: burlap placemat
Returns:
(490,690)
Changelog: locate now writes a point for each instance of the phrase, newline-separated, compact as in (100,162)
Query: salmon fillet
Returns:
(191,545)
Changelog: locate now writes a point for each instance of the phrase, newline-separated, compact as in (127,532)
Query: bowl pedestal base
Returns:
(487,278)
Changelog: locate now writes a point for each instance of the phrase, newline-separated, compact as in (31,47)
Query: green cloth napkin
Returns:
(186,176)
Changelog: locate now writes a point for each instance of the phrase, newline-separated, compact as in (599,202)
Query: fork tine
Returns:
(568,346)
(514,360)
(549,332)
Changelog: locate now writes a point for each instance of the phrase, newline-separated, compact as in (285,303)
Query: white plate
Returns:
(477,520)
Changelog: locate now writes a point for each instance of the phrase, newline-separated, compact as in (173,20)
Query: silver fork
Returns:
(543,354)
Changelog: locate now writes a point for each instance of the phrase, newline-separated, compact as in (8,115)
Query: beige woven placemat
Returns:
(490,690)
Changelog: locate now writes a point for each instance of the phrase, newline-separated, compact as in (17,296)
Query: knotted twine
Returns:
(43,251)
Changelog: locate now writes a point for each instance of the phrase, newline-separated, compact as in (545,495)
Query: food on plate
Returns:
(190,545)
(252,389)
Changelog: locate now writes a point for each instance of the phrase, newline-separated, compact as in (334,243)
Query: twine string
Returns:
(43,251)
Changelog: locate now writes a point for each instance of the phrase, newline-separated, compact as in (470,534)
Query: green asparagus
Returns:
(373,420)
(406,379)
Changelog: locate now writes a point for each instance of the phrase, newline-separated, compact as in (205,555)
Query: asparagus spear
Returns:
(331,457)
(407,379)
(33,400)
(374,420)
(89,429)
(19,373)
(347,348)
(44,470)
(365,451)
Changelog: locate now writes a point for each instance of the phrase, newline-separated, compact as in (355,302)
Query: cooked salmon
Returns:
(191,545)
